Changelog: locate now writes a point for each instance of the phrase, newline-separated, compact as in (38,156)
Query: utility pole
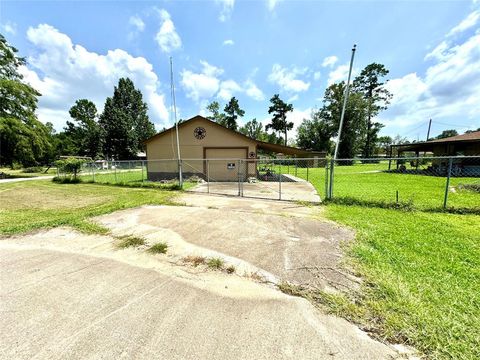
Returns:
(174,105)
(429,127)
(345,99)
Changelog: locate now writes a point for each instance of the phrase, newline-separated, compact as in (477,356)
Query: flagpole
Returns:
(180,175)
(345,99)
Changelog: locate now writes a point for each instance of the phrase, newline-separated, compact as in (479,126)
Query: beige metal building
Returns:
(208,148)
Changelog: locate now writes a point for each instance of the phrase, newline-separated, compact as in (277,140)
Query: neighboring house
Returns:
(459,145)
(207,147)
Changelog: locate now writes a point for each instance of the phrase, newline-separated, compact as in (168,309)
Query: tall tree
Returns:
(125,122)
(315,133)
(23,138)
(279,122)
(215,114)
(369,84)
(232,113)
(253,129)
(355,113)
(447,133)
(85,134)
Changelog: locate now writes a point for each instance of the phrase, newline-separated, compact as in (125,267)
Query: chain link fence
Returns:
(425,183)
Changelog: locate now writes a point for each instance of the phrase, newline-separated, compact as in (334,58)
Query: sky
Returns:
(252,50)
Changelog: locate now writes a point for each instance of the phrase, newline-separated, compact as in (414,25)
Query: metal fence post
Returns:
(279,182)
(115,170)
(330,190)
(208,176)
(143,164)
(238,173)
(307,169)
(296,166)
(326,179)
(449,173)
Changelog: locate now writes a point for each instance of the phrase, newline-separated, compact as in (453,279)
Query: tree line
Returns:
(118,132)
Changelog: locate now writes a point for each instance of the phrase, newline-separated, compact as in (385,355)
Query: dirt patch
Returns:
(46,198)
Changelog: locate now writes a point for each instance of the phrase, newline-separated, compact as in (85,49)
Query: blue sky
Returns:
(252,50)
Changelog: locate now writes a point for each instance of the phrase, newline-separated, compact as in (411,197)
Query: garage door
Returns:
(223,164)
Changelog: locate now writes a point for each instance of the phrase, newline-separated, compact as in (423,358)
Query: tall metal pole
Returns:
(180,177)
(429,127)
(345,99)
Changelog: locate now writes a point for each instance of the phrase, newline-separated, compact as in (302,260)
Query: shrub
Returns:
(158,248)
(215,263)
(70,166)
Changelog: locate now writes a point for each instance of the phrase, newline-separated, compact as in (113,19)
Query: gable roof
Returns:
(288,150)
(197,117)
(465,139)
(472,136)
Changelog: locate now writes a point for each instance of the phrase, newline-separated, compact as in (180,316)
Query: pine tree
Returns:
(232,112)
(279,109)
(125,122)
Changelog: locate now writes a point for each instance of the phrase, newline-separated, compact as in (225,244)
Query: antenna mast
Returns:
(174,106)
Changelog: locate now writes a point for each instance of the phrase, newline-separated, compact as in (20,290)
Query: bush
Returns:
(16,166)
(70,166)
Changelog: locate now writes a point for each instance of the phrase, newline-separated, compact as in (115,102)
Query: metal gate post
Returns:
(307,169)
(115,170)
(449,173)
(143,165)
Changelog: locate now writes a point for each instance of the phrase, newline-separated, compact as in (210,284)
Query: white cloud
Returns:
(297,116)
(438,52)
(470,21)
(286,79)
(271,4)
(228,42)
(137,22)
(317,75)
(137,26)
(449,89)
(329,61)
(253,91)
(339,74)
(293,98)
(204,84)
(227,9)
(227,89)
(64,72)
(9,28)
(167,37)
(207,84)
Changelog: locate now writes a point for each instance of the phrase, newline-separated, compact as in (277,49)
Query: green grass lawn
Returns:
(422,277)
(20,173)
(367,183)
(30,205)
(421,269)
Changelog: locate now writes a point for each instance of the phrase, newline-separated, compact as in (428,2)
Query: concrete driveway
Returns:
(74,296)
(295,189)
